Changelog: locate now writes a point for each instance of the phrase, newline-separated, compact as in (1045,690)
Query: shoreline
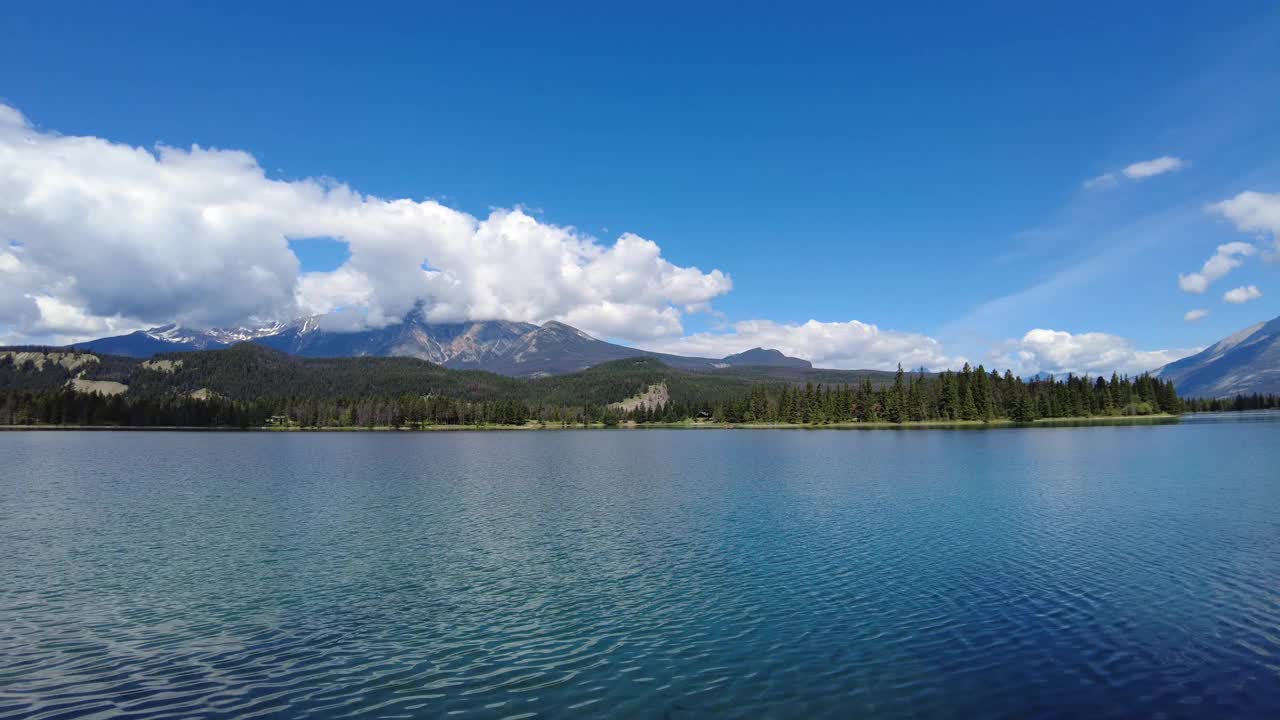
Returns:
(1159,419)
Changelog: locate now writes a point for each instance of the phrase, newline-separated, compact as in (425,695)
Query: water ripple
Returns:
(1079,572)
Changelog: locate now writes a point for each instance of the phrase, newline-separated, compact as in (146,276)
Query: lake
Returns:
(1129,571)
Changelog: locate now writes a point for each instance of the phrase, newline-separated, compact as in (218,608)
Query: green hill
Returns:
(251,385)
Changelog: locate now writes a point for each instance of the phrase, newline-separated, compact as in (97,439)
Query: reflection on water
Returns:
(1248,416)
(1112,571)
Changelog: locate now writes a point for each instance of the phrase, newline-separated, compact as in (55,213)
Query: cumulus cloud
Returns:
(1254,212)
(1194,315)
(1242,294)
(113,236)
(1059,352)
(99,237)
(853,344)
(1151,168)
(1227,258)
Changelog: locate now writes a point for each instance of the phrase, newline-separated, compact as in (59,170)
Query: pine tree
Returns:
(951,397)
(983,398)
(915,401)
(867,403)
(896,402)
(968,409)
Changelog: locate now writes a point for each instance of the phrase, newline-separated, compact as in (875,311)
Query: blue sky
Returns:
(919,168)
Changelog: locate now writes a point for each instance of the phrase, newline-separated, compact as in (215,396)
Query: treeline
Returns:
(251,386)
(65,407)
(1239,403)
(970,394)
(62,406)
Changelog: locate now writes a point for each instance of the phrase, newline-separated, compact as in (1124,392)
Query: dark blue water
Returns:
(1074,572)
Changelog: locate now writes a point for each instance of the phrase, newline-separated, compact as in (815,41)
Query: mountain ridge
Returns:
(514,349)
(1243,363)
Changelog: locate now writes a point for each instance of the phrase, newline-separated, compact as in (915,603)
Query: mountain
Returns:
(760,357)
(175,338)
(145,343)
(251,372)
(515,349)
(1245,363)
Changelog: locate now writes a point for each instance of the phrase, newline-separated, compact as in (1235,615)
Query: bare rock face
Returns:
(102,387)
(164,366)
(72,361)
(654,397)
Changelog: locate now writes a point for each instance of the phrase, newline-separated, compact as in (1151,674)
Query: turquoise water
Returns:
(1072,572)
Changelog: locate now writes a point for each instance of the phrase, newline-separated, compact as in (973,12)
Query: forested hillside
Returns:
(249,385)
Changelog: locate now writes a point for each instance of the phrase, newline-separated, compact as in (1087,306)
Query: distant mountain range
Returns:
(1245,363)
(175,338)
(514,349)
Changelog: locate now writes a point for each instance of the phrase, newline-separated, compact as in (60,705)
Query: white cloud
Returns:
(1254,212)
(1059,352)
(611,319)
(1194,315)
(114,236)
(1242,294)
(1151,168)
(1104,180)
(60,318)
(1226,259)
(1136,172)
(850,344)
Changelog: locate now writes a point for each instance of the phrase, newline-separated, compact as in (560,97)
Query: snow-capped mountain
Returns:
(517,349)
(176,338)
(177,334)
(1244,363)
(231,336)
(204,339)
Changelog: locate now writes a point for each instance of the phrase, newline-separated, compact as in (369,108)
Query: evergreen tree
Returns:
(983,398)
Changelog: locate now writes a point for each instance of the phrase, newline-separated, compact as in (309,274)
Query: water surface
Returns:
(1069,572)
